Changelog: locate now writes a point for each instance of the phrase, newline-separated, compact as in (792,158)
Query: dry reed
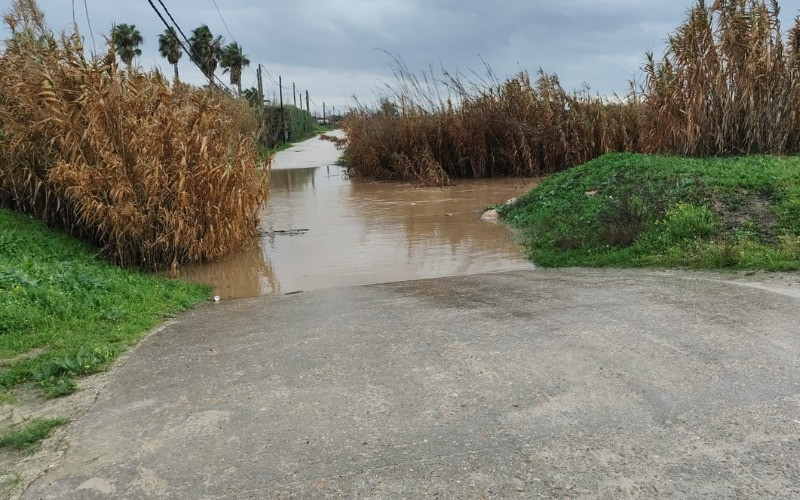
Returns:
(516,128)
(727,85)
(154,175)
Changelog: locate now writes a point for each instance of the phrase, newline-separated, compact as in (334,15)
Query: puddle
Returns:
(322,230)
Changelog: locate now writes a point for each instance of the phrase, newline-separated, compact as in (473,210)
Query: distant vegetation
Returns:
(518,128)
(154,175)
(206,50)
(169,46)
(233,61)
(729,84)
(126,39)
(300,124)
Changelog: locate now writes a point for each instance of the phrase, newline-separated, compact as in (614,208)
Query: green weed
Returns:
(7,397)
(73,311)
(638,210)
(26,436)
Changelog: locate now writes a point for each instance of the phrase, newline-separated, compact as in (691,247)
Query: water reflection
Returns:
(289,180)
(246,274)
(366,232)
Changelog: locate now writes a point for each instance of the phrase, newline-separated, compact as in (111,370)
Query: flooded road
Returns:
(322,230)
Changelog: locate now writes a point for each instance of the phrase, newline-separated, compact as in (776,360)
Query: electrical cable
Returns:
(186,39)
(187,51)
(173,22)
(272,79)
(89,23)
(233,39)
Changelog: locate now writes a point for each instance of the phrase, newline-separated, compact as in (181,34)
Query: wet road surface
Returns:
(529,383)
(568,383)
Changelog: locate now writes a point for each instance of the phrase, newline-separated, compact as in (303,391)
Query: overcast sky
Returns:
(334,48)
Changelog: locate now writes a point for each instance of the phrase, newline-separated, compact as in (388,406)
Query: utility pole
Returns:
(308,108)
(294,94)
(283,117)
(263,131)
(324,119)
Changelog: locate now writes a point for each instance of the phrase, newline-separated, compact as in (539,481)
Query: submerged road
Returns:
(565,383)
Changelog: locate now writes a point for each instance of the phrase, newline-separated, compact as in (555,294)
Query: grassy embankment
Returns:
(658,211)
(65,313)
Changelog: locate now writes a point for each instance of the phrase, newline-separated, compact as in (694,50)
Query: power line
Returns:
(89,22)
(188,52)
(173,21)
(272,79)
(186,39)
(233,39)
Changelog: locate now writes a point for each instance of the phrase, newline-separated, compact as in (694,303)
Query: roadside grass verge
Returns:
(65,313)
(27,435)
(633,210)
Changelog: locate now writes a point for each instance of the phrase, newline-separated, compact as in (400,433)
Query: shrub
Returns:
(519,128)
(154,175)
(729,84)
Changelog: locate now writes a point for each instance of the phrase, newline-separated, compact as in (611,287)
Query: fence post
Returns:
(283,116)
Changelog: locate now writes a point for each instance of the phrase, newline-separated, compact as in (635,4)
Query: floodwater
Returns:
(322,230)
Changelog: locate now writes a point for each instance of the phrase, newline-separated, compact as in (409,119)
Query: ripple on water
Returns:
(364,232)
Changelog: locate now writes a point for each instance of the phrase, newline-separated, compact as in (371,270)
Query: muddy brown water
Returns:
(321,229)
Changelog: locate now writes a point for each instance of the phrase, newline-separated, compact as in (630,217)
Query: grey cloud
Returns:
(328,46)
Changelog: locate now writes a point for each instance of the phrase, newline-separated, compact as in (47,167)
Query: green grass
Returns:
(629,210)
(65,313)
(26,436)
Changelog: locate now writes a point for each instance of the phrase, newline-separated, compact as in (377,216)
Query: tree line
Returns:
(206,50)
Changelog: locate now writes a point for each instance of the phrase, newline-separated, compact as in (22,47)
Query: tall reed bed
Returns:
(728,84)
(154,175)
(517,128)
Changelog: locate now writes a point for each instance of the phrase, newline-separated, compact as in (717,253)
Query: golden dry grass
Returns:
(729,84)
(156,176)
(516,128)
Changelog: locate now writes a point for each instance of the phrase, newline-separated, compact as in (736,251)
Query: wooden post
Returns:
(261,113)
(294,94)
(308,108)
(324,118)
(283,116)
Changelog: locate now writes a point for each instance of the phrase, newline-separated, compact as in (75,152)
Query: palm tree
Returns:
(206,50)
(126,39)
(170,47)
(233,61)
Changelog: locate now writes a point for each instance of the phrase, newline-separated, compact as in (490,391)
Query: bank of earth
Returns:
(633,210)
(66,313)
